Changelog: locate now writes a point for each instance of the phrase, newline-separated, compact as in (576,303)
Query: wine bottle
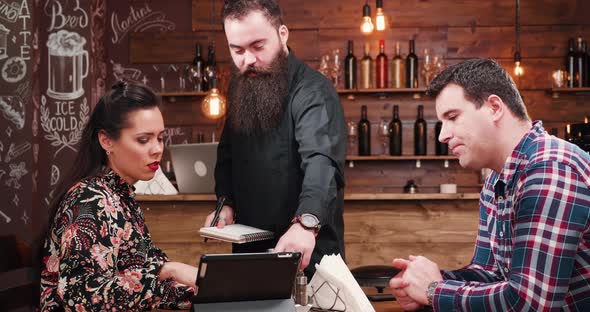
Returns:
(381,64)
(440,148)
(350,68)
(580,65)
(570,64)
(586,61)
(397,69)
(197,69)
(420,133)
(367,69)
(395,133)
(364,130)
(211,68)
(412,67)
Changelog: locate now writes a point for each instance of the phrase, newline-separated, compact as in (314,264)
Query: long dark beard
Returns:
(256,104)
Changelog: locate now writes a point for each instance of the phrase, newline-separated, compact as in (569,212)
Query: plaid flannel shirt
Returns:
(533,246)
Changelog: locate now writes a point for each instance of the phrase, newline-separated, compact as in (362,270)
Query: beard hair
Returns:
(256,104)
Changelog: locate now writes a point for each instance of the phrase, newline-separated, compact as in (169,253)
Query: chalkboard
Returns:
(16,149)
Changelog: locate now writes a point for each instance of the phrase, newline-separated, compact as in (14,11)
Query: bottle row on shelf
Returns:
(390,134)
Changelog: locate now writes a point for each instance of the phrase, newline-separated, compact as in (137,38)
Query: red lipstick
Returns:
(154,166)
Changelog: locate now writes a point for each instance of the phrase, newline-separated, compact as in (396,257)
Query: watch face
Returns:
(309,220)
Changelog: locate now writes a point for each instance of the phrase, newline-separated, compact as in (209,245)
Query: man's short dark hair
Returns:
(237,9)
(479,79)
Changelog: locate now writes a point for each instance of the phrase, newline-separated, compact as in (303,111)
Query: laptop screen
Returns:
(194,167)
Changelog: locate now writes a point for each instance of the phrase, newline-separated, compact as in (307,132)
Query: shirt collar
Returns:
(519,152)
(115,182)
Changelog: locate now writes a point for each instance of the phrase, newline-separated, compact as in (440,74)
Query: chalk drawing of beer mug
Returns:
(68,65)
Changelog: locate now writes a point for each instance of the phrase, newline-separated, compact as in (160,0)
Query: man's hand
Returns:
(397,285)
(226,217)
(419,273)
(299,239)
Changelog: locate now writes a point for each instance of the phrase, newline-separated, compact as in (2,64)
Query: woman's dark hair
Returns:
(237,9)
(479,79)
(110,116)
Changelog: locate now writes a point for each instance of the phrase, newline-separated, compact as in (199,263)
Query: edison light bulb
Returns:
(367,24)
(214,105)
(518,70)
(380,19)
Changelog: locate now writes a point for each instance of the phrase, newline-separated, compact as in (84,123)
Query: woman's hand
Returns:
(179,272)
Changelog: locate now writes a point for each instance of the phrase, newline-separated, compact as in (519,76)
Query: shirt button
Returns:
(501,234)
(500,198)
(506,270)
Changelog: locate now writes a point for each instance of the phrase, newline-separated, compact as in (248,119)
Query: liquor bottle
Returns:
(211,68)
(397,69)
(570,64)
(395,133)
(364,130)
(367,69)
(381,70)
(420,133)
(197,69)
(580,65)
(440,148)
(586,58)
(412,67)
(350,68)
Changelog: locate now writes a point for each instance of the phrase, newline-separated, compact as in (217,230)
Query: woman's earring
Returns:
(108,153)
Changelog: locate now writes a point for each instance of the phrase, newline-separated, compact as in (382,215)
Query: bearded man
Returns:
(281,154)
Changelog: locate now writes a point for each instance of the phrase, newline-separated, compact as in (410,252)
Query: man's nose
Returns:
(249,59)
(445,133)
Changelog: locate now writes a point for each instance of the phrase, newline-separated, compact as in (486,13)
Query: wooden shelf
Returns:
(415,92)
(389,90)
(404,196)
(403,157)
(557,91)
(349,196)
(182,93)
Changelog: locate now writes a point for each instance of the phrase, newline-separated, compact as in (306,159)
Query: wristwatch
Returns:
(308,222)
(430,292)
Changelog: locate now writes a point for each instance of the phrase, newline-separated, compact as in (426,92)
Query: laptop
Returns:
(246,282)
(194,167)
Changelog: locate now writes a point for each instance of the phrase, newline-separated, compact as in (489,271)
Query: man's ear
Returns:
(284,36)
(496,107)
(105,142)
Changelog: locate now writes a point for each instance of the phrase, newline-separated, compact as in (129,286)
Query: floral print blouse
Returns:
(100,256)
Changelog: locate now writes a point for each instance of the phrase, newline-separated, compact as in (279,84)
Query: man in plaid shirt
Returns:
(533,245)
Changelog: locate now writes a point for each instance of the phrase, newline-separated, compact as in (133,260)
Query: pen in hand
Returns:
(215,220)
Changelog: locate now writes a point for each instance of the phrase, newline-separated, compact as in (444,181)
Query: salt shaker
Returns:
(301,289)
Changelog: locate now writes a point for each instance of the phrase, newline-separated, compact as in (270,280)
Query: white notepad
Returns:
(236,233)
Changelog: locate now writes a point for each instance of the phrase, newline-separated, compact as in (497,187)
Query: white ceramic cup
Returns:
(448,188)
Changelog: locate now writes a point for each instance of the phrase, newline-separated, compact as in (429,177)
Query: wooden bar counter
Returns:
(378,227)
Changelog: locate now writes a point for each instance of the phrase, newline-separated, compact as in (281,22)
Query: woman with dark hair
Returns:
(98,253)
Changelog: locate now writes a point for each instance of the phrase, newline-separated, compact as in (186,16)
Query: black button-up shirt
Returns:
(296,168)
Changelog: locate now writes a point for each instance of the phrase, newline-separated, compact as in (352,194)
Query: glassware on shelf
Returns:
(439,61)
(324,67)
(162,69)
(336,70)
(352,132)
(429,67)
(384,136)
(559,78)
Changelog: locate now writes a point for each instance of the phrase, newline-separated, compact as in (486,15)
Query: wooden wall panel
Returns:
(414,13)
(375,231)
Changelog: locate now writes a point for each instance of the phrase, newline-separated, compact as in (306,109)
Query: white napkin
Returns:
(158,185)
(340,291)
